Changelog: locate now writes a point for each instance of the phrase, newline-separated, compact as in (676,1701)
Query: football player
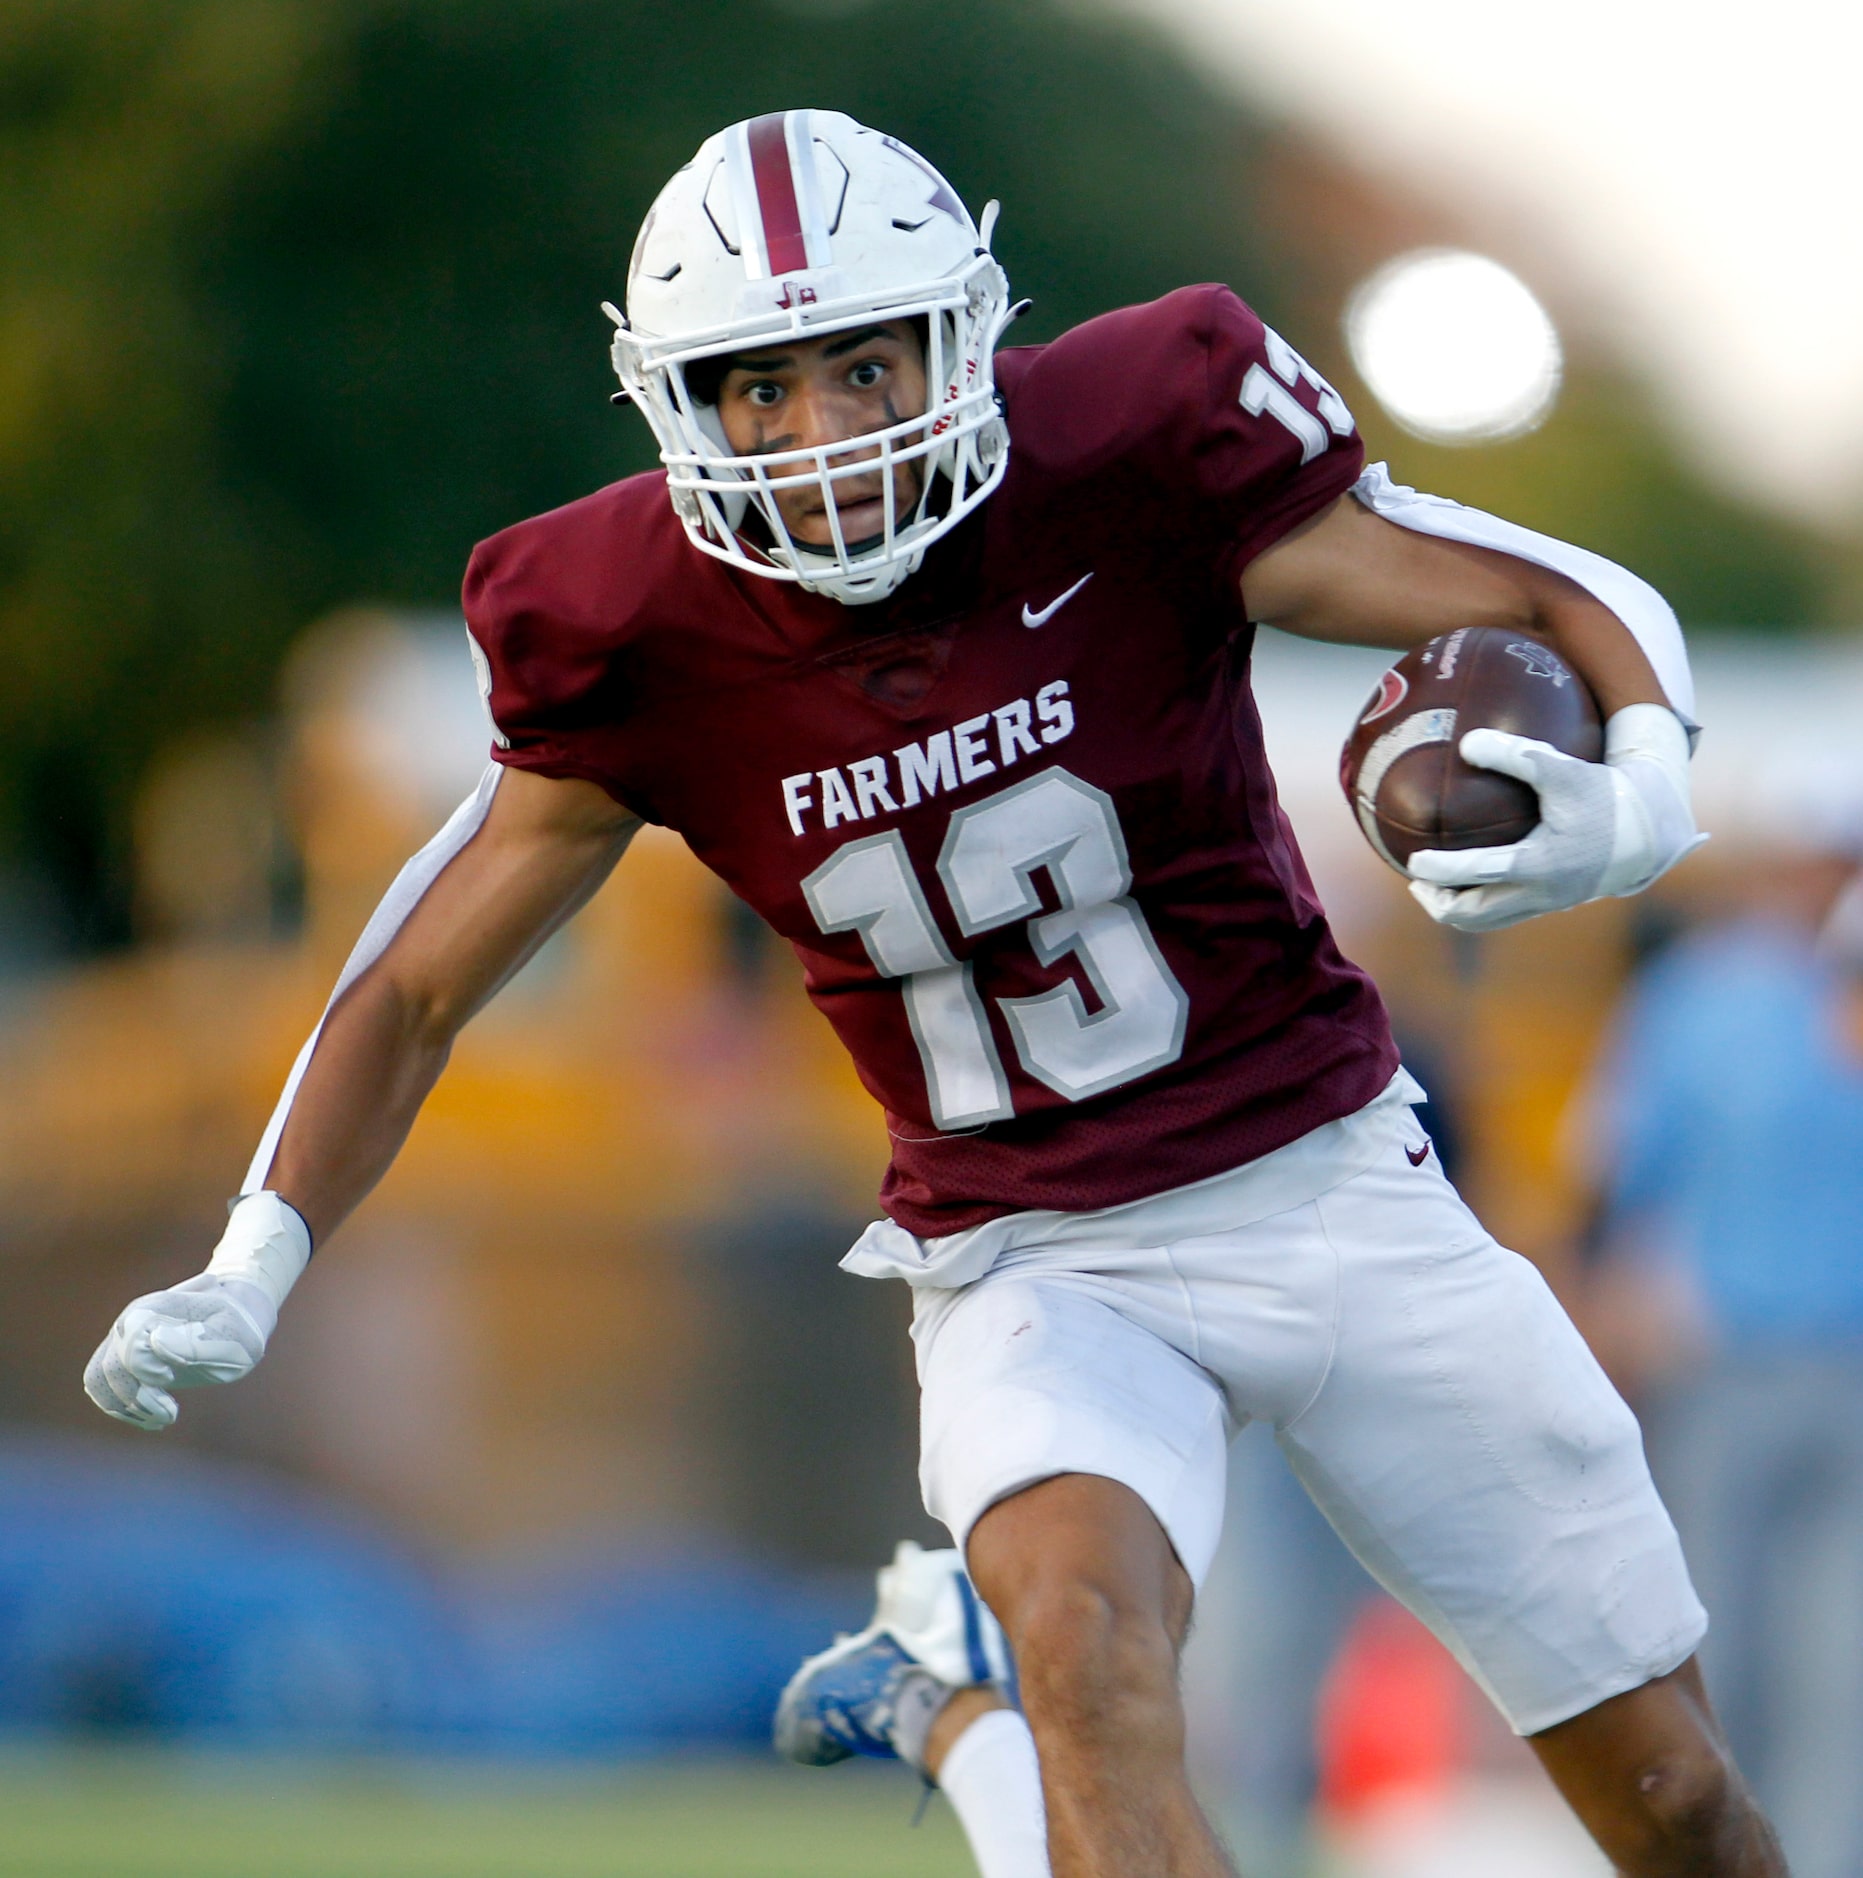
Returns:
(939,656)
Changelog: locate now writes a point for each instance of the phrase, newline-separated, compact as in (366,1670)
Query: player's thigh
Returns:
(1023,1379)
(1472,1453)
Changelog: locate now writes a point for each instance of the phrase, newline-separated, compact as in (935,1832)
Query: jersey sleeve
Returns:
(1224,422)
(1261,441)
(550,675)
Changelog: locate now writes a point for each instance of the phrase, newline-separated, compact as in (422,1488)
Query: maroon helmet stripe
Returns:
(776,195)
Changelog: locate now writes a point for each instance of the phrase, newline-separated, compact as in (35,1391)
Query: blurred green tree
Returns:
(299,298)
(140,587)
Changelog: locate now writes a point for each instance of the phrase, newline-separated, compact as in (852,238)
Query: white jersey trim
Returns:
(388,918)
(1650,618)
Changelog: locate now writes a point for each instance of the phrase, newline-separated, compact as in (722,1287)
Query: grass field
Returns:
(76,1815)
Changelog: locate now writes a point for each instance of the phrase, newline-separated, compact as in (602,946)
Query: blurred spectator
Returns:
(1727,1128)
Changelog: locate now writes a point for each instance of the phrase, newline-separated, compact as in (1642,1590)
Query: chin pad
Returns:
(824,550)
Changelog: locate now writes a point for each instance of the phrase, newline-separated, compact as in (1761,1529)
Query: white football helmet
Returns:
(793,225)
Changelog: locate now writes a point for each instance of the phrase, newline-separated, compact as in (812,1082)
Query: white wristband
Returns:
(266,1243)
(1646,747)
(1653,732)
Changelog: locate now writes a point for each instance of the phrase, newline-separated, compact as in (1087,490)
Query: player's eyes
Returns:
(763,392)
(867,374)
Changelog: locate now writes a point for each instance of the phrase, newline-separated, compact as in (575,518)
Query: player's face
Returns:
(804,394)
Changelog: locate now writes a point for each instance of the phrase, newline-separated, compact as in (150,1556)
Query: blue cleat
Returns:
(878,1692)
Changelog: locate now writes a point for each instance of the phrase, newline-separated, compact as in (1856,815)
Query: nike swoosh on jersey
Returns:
(1416,1157)
(1031,618)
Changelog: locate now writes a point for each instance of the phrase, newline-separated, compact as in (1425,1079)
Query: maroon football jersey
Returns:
(1016,821)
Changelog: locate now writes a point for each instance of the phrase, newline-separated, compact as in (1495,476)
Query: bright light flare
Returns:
(1455,347)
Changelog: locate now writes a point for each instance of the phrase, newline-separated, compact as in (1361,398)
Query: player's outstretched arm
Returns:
(1354,576)
(522,855)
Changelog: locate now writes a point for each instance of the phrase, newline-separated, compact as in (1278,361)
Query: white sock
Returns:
(993,1780)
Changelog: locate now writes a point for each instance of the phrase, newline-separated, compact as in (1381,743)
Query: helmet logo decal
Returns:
(795,294)
(781,225)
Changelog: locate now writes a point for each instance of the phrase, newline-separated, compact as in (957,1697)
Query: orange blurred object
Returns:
(1391,1716)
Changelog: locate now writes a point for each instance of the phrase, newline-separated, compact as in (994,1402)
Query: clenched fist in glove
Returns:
(207,1329)
(1605,828)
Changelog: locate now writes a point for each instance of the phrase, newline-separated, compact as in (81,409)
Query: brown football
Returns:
(1401,768)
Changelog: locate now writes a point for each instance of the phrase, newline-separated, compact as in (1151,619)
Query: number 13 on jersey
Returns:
(991,852)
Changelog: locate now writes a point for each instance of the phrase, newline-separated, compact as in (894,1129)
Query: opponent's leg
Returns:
(982,1756)
(912,1685)
(1650,1776)
(1096,1606)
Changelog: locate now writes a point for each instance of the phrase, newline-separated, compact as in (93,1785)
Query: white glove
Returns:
(1605,828)
(212,1328)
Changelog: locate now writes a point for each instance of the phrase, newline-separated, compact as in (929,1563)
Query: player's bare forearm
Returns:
(545,847)
(374,1065)
(1353,577)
